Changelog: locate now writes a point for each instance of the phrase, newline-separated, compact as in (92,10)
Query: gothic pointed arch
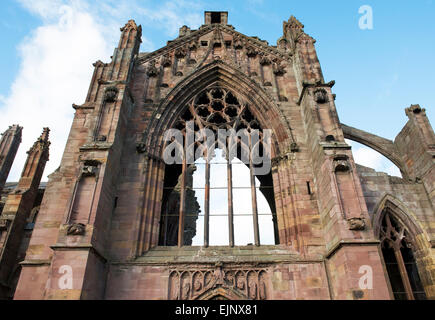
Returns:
(223,75)
(400,210)
(220,293)
(405,248)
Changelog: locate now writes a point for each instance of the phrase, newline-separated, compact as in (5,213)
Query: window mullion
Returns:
(403,273)
(207,204)
(182,204)
(230,202)
(254,196)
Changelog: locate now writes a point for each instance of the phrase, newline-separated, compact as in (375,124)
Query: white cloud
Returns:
(55,71)
(173,15)
(56,62)
(370,158)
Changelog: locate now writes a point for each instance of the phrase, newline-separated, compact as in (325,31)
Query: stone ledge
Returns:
(90,247)
(35,262)
(343,243)
(221,254)
(335,145)
(96,146)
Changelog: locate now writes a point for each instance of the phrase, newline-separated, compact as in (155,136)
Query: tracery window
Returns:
(399,259)
(218,199)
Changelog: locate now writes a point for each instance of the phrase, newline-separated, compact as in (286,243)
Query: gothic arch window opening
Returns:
(218,201)
(397,248)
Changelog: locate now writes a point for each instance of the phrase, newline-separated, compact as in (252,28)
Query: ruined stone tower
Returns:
(119,222)
(9,143)
(17,210)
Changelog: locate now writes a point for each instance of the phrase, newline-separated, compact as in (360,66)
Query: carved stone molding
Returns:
(76,229)
(356,223)
(203,283)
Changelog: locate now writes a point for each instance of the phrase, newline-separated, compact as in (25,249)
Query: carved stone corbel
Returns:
(180,52)
(75,229)
(321,96)
(166,61)
(278,68)
(140,147)
(152,70)
(89,168)
(251,52)
(356,224)
(341,163)
(238,44)
(265,60)
(110,94)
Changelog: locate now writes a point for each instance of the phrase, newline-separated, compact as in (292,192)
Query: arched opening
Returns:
(397,248)
(371,158)
(220,198)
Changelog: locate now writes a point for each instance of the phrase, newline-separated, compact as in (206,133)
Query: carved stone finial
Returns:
(130,25)
(295,23)
(414,109)
(356,223)
(76,229)
(184,31)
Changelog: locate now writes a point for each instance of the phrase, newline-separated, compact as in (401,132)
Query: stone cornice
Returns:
(90,247)
(96,146)
(35,262)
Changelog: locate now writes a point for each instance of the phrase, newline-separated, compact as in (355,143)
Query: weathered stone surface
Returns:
(97,231)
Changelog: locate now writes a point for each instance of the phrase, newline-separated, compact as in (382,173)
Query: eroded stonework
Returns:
(103,210)
(209,283)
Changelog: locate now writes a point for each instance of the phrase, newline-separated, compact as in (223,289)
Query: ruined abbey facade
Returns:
(116,221)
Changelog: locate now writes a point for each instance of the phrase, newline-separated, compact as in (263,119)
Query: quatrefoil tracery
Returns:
(218,108)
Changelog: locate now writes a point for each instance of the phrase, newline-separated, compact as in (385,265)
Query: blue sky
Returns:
(48,47)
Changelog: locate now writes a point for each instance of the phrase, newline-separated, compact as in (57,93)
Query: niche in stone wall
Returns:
(346,187)
(85,192)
